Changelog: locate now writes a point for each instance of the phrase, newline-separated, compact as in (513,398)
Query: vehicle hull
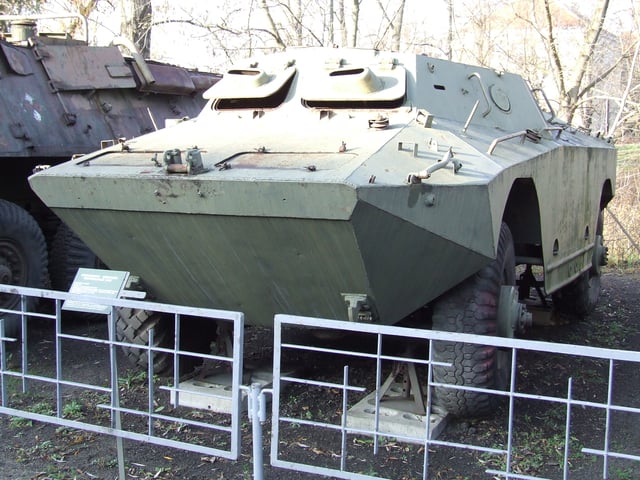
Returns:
(311,207)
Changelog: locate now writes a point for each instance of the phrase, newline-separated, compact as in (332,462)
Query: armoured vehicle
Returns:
(356,185)
(62,97)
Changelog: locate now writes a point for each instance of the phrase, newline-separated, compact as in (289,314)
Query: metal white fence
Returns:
(148,421)
(339,444)
(339,404)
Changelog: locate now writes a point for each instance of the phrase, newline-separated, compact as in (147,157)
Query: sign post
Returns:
(95,283)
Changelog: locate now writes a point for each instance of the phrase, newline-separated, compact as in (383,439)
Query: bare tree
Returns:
(330,19)
(478,27)
(16,7)
(516,35)
(355,20)
(135,24)
(572,90)
(298,22)
(273,30)
(450,11)
(135,19)
(547,42)
(394,24)
(342,22)
(632,89)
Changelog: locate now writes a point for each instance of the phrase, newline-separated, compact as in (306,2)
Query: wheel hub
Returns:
(5,274)
(600,256)
(12,265)
(513,316)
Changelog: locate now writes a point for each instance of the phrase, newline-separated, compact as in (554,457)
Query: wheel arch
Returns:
(607,193)
(522,215)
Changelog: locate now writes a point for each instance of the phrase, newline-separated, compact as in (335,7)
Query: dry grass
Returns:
(623,236)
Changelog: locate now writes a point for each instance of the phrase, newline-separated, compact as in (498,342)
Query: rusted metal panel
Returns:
(83,67)
(18,60)
(204,80)
(173,80)
(61,97)
(168,79)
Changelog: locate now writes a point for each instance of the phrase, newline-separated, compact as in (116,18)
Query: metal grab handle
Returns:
(524,134)
(484,92)
(417,177)
(498,140)
(546,100)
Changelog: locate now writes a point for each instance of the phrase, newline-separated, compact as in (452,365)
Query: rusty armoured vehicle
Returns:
(356,185)
(62,97)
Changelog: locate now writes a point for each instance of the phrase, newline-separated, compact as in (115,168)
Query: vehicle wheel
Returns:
(68,254)
(580,297)
(23,259)
(133,325)
(472,307)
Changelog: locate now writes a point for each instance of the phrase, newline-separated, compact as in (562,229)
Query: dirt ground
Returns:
(34,450)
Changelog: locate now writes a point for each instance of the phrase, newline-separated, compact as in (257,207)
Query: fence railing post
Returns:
(257,411)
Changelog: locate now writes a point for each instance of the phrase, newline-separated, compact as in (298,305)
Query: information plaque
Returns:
(95,283)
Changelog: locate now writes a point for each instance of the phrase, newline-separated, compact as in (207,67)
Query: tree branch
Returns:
(553,50)
(617,121)
(274,29)
(591,37)
(298,22)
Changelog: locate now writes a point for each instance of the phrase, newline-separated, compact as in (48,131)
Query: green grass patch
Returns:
(72,410)
(628,156)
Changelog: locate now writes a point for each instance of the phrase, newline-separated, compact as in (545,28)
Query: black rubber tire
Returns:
(133,325)
(472,307)
(68,254)
(23,259)
(580,297)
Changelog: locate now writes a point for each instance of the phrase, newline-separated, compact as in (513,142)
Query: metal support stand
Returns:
(410,385)
(527,281)
(223,346)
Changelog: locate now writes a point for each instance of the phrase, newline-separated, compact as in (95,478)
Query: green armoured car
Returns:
(357,185)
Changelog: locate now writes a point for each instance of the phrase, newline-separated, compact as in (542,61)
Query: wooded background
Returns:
(584,55)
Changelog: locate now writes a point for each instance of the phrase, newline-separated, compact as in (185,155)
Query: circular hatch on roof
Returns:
(500,98)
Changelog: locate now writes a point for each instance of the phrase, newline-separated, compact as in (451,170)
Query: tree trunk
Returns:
(397,27)
(571,95)
(299,23)
(330,26)
(450,31)
(135,24)
(343,23)
(355,18)
(272,24)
